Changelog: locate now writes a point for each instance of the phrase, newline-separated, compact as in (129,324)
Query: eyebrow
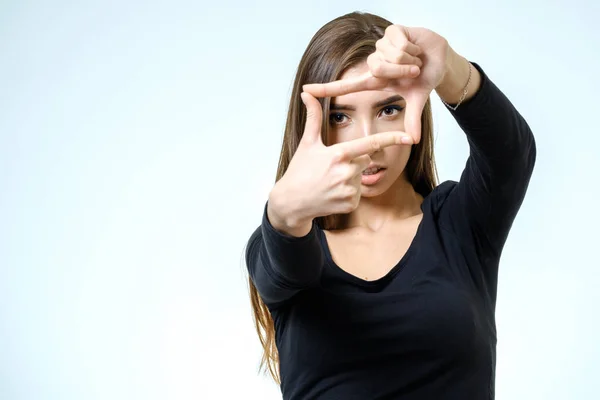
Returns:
(381,103)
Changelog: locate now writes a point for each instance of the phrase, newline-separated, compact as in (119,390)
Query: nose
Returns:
(368,128)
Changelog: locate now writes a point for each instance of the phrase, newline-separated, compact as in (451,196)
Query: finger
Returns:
(314,116)
(399,37)
(340,87)
(361,163)
(370,144)
(392,54)
(386,70)
(356,181)
(412,115)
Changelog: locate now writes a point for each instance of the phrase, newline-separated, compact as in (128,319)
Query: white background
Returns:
(139,141)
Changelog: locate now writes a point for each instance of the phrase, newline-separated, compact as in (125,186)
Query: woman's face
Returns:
(360,114)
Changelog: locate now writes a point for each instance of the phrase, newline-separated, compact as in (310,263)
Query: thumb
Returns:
(412,117)
(314,117)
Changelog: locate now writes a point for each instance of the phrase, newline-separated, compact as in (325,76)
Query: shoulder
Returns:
(435,200)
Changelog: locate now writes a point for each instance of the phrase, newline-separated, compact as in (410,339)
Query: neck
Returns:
(399,202)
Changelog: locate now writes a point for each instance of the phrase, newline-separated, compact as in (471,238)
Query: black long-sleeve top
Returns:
(426,330)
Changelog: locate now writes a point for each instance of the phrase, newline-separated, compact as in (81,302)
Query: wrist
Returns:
(451,85)
(456,79)
(284,216)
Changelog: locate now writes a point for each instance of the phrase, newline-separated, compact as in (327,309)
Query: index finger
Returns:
(340,87)
(371,144)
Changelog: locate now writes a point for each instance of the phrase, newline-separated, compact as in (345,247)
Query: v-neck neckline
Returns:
(389,275)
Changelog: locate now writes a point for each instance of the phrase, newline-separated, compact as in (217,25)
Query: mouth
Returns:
(372,171)
(371,176)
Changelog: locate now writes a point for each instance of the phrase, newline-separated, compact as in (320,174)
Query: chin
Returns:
(373,191)
(382,186)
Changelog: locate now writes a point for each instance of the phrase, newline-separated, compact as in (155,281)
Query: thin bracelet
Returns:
(465,90)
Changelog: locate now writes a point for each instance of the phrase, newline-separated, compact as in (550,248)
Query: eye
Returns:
(390,110)
(336,118)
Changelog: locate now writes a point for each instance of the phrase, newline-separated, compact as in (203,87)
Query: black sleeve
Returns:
(481,208)
(280,265)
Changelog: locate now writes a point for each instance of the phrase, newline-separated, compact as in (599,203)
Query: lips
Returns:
(371,171)
(369,179)
(373,168)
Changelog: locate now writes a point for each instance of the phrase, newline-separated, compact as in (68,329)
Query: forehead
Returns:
(355,70)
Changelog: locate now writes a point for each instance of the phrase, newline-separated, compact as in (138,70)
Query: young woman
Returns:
(368,280)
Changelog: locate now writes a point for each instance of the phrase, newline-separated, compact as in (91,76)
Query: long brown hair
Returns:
(340,44)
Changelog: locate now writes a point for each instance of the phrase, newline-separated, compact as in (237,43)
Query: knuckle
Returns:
(312,113)
(371,60)
(374,144)
(390,28)
(351,191)
(377,68)
(337,156)
(348,175)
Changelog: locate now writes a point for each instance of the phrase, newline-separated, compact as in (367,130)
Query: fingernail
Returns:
(406,140)
(414,70)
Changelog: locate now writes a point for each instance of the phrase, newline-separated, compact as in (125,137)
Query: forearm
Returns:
(279,264)
(497,133)
(496,176)
(495,129)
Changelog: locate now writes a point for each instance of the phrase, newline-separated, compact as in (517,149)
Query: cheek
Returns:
(340,136)
(396,124)
(397,157)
